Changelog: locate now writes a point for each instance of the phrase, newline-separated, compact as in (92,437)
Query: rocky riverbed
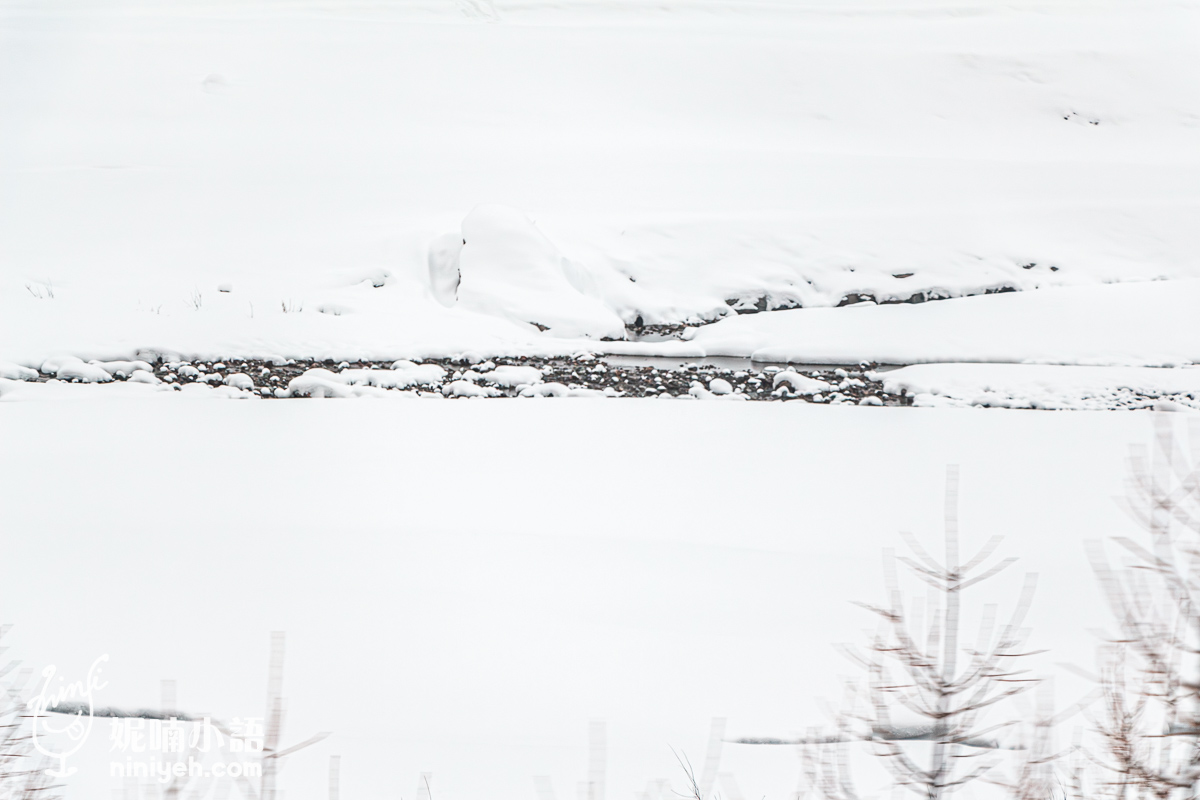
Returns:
(474,376)
(589,375)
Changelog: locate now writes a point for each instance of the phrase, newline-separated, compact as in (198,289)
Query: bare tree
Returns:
(1150,670)
(702,787)
(22,770)
(922,670)
(272,755)
(1038,775)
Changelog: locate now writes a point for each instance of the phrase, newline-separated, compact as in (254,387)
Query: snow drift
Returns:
(508,268)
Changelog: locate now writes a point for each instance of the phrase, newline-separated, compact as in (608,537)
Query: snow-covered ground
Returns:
(466,585)
(1000,195)
(605,161)
(1038,386)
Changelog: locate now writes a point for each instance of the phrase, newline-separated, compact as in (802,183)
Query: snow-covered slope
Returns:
(680,156)
(1151,324)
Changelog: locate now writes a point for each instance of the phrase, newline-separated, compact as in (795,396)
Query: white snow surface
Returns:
(509,269)
(16,372)
(466,584)
(489,591)
(1133,324)
(1043,386)
(295,179)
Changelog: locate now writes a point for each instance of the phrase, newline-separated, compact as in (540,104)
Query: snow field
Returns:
(606,163)
(201,198)
(486,592)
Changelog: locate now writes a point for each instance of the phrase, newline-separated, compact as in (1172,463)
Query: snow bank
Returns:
(54,389)
(444,275)
(221,392)
(675,163)
(508,268)
(75,369)
(140,384)
(1142,324)
(422,375)
(321,382)
(1044,386)
(16,372)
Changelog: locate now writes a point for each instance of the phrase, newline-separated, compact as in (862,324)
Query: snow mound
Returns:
(420,374)
(424,375)
(508,268)
(16,372)
(239,380)
(318,383)
(545,390)
(511,377)
(464,388)
(799,384)
(561,390)
(362,382)
(443,267)
(67,369)
(352,383)
(122,369)
(54,389)
(699,392)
